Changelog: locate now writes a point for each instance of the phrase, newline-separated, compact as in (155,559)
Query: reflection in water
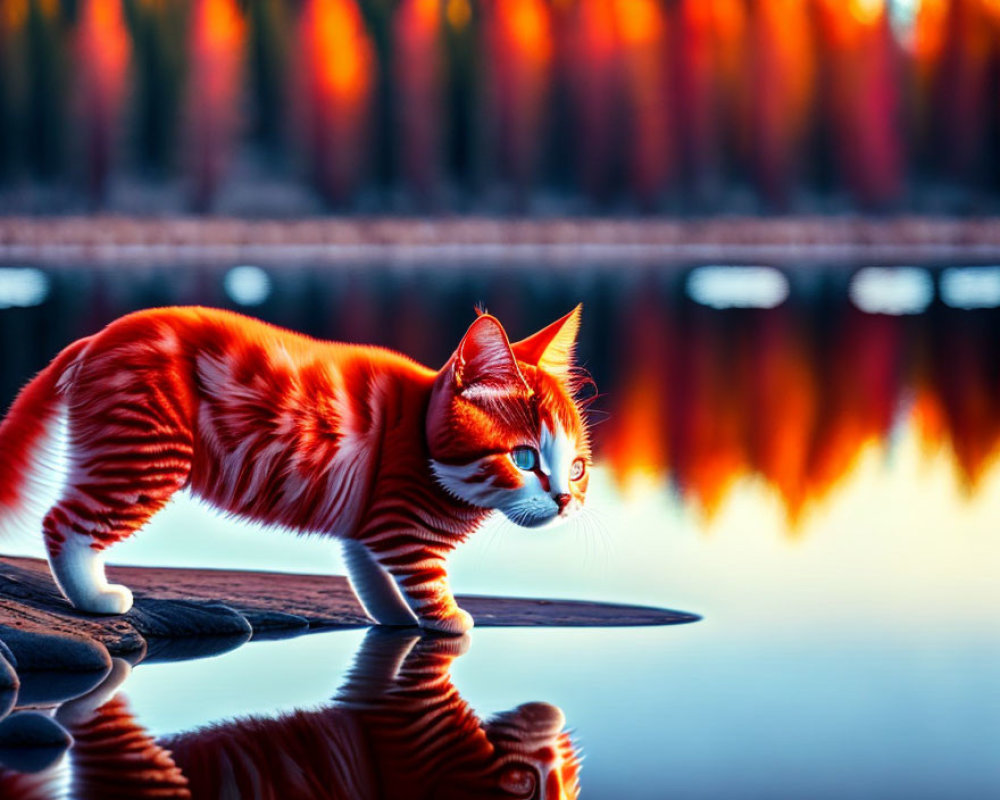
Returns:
(44,786)
(396,729)
(112,756)
(794,395)
(892,290)
(971,287)
(737,287)
(695,395)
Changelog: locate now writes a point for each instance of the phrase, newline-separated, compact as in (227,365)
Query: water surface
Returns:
(818,481)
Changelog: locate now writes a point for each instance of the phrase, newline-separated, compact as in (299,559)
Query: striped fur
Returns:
(397,730)
(114,758)
(360,443)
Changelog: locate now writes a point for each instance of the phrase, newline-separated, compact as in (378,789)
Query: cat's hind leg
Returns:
(79,571)
(111,493)
(96,511)
(129,448)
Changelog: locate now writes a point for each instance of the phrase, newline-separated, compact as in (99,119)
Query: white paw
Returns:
(456,624)
(115,599)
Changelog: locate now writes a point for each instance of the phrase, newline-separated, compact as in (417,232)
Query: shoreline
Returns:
(456,240)
(186,613)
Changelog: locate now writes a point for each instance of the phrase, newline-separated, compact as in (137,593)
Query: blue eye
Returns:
(524,458)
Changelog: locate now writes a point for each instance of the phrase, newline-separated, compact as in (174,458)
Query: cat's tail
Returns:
(32,442)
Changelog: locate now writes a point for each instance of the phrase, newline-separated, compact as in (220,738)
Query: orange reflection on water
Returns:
(708,399)
(784,402)
(635,441)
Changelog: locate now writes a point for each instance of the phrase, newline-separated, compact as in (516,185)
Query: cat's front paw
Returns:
(115,599)
(455,624)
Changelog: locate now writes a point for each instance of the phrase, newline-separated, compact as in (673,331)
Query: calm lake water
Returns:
(817,480)
(859,659)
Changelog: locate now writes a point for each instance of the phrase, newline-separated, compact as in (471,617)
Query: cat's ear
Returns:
(484,361)
(552,348)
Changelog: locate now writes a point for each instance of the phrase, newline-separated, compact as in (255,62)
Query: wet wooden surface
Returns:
(190,603)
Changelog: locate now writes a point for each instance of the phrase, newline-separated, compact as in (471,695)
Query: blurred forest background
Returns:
(288,107)
(304,112)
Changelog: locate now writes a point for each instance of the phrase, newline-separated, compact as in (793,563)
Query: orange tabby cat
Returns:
(399,461)
(397,730)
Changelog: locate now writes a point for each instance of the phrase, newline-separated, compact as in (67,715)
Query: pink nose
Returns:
(562,500)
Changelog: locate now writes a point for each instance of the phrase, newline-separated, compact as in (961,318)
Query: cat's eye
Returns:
(524,458)
(519,782)
(577,469)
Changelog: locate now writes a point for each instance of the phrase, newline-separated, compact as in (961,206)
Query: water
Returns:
(819,483)
(858,659)
(698,711)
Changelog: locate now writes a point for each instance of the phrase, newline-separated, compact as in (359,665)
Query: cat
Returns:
(396,730)
(399,461)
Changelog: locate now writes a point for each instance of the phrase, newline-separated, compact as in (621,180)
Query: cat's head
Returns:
(537,758)
(504,428)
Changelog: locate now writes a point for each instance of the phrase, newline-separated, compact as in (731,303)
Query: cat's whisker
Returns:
(597,547)
(596,542)
(500,528)
(581,531)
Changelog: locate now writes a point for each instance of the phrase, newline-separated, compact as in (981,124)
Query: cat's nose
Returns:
(562,500)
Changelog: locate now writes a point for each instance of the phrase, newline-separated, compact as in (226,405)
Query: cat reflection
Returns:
(397,729)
